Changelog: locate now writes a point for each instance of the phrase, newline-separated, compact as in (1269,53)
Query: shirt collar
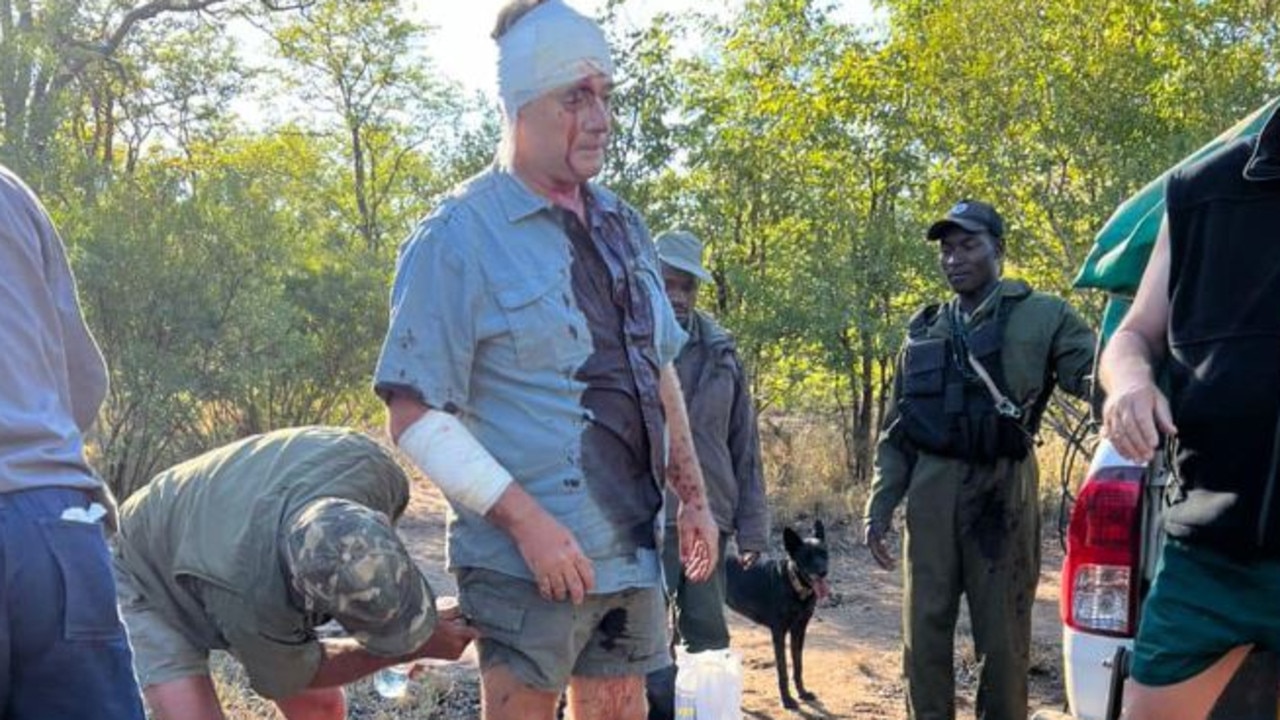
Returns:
(1005,288)
(1264,164)
(520,202)
(983,309)
(695,328)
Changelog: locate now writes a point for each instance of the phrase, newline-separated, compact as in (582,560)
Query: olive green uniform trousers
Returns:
(971,531)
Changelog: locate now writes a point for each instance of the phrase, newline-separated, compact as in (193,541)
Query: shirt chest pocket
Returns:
(546,330)
(1027,364)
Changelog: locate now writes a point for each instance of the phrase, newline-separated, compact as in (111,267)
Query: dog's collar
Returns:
(798,582)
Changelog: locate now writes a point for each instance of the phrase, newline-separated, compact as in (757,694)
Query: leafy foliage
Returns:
(811,155)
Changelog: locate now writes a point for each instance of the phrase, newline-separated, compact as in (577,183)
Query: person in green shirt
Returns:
(249,548)
(956,443)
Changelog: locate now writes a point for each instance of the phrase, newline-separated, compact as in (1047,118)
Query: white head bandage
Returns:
(553,45)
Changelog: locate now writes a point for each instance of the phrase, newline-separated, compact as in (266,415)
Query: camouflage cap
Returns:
(345,561)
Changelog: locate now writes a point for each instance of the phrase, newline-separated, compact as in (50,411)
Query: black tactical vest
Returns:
(944,406)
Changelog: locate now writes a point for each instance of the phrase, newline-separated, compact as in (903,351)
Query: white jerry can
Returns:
(708,685)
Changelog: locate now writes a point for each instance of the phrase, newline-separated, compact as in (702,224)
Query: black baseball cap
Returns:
(972,215)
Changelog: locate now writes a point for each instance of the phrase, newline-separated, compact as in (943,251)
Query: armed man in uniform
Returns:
(957,442)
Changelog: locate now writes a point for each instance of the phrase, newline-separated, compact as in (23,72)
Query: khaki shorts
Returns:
(161,653)
(544,643)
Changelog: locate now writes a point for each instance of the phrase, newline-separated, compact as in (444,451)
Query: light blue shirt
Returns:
(485,325)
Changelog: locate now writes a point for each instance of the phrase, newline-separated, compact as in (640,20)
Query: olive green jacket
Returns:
(202,542)
(1045,343)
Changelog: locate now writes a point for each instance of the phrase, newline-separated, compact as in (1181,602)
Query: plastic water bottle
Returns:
(720,686)
(686,688)
(708,685)
(392,682)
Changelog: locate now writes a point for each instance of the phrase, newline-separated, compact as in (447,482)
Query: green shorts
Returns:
(544,643)
(1201,605)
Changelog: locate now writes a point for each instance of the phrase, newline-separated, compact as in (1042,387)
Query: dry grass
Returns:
(239,702)
(806,471)
(1051,455)
(1054,512)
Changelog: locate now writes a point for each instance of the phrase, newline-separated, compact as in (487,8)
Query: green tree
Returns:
(56,54)
(782,164)
(354,62)
(237,279)
(1057,111)
(813,155)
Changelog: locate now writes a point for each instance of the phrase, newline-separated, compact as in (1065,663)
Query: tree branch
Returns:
(147,11)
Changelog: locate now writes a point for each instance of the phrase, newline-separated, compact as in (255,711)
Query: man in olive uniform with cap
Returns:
(970,387)
(248,548)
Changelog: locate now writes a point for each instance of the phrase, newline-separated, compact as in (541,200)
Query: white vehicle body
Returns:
(1089,644)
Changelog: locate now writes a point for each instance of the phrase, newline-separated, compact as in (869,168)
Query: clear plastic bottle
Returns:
(392,682)
(708,685)
(720,685)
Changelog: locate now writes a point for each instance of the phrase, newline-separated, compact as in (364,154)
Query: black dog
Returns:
(781,595)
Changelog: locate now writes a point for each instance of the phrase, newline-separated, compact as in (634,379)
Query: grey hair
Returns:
(510,14)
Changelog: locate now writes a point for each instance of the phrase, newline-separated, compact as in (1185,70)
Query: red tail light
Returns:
(1101,573)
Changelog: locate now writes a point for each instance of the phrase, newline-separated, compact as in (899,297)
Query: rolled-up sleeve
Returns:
(430,344)
(1073,349)
(893,462)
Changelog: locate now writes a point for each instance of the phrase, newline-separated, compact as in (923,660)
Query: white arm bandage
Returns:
(455,461)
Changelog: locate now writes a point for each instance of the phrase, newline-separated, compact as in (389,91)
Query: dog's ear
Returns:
(819,531)
(790,540)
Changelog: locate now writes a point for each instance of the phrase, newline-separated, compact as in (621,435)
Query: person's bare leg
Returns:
(503,696)
(1191,699)
(620,698)
(188,698)
(316,704)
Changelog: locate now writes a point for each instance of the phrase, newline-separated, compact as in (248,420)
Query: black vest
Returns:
(945,408)
(1224,340)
